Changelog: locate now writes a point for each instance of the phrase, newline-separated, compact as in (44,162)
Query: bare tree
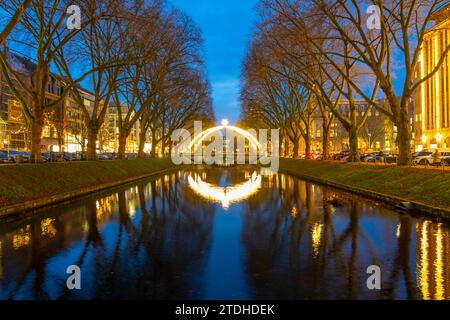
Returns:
(105,55)
(43,32)
(372,130)
(13,21)
(403,24)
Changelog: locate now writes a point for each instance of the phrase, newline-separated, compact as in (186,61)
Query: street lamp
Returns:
(438,137)
(224,122)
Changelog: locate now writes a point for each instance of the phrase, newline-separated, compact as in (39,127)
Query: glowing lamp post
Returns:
(224,122)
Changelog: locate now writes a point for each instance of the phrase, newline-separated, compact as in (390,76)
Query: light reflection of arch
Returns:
(226,195)
(208,132)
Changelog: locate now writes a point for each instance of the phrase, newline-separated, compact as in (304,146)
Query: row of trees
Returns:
(308,55)
(143,58)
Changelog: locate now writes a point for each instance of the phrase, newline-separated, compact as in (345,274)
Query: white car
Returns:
(446,158)
(424,158)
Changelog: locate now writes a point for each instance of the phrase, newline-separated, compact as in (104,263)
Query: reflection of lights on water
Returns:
(316,235)
(398,231)
(22,238)
(104,206)
(294,212)
(422,274)
(47,227)
(132,208)
(439,265)
(85,227)
(226,195)
(267,172)
(431,264)
(1,260)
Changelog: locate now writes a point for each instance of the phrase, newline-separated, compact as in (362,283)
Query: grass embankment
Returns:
(29,182)
(424,186)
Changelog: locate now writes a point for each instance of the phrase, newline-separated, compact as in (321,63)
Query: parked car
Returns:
(15,155)
(341,155)
(371,157)
(71,156)
(424,158)
(130,155)
(442,157)
(362,156)
(105,156)
(52,156)
(46,156)
(4,157)
(446,158)
(391,158)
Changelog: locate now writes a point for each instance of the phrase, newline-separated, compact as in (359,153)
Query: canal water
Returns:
(224,234)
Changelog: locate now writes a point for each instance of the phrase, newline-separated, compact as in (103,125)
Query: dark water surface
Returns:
(224,234)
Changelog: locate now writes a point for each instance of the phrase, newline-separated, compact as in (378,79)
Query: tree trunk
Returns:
(402,123)
(296,148)
(122,144)
(170,147)
(92,143)
(326,145)
(353,143)
(286,147)
(36,136)
(141,152)
(61,141)
(163,147)
(307,144)
(404,144)
(153,148)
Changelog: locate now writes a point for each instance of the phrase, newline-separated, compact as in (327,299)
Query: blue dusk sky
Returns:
(226,27)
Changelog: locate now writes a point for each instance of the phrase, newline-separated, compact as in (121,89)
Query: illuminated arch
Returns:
(225,195)
(208,132)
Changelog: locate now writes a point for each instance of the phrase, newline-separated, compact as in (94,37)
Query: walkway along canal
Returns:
(224,233)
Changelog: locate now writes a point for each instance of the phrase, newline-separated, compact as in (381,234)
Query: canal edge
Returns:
(67,197)
(418,207)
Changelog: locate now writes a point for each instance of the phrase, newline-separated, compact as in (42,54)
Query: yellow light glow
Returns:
(225,195)
(424,138)
(438,96)
(438,137)
(205,134)
(422,265)
(316,236)
(22,238)
(294,212)
(439,265)
(422,70)
(47,227)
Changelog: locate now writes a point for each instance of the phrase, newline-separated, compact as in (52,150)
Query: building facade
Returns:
(132,145)
(432,99)
(377,133)
(65,127)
